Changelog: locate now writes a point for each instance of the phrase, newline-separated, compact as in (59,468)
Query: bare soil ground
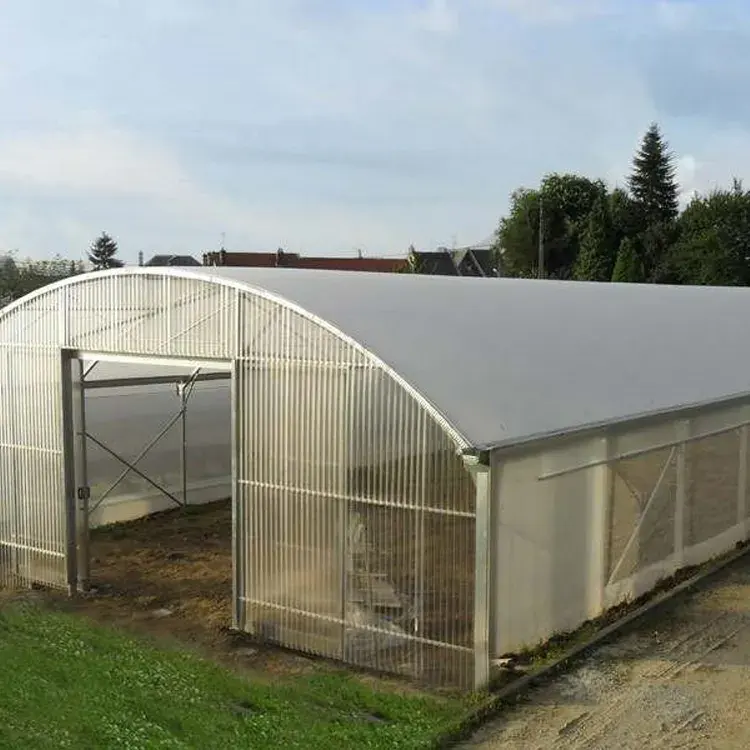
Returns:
(680,679)
(169,577)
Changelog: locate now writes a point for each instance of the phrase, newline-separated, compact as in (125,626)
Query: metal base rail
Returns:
(514,691)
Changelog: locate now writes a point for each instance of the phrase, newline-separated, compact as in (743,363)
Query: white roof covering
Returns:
(509,360)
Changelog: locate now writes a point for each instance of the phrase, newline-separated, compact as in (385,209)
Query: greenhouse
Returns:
(426,473)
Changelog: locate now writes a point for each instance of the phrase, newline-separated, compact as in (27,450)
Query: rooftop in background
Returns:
(173,260)
(283,259)
(475,260)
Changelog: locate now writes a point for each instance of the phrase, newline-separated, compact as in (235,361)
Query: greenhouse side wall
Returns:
(126,420)
(582,525)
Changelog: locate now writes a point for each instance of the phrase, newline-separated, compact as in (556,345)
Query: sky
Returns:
(328,126)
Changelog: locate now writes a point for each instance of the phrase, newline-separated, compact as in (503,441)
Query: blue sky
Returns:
(324,126)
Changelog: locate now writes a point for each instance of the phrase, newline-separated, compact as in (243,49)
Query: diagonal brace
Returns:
(134,469)
(642,517)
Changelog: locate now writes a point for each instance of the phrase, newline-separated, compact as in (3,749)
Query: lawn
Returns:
(68,683)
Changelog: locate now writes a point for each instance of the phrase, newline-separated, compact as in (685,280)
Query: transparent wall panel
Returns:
(357,513)
(32,490)
(713,484)
(643,510)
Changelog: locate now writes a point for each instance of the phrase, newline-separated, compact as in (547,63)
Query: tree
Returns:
(9,278)
(656,246)
(102,253)
(517,234)
(714,243)
(412,264)
(597,254)
(623,212)
(19,278)
(628,267)
(652,182)
(566,200)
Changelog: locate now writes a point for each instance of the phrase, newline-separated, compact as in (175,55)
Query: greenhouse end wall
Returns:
(354,526)
(581,525)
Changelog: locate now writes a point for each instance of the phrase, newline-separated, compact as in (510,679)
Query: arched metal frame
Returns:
(354,518)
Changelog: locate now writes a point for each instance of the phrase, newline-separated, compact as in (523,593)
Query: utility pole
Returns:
(541,237)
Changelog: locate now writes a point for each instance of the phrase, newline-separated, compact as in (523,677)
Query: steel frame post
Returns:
(681,495)
(742,479)
(83,493)
(347,417)
(479,468)
(183,395)
(238,516)
(69,423)
(602,487)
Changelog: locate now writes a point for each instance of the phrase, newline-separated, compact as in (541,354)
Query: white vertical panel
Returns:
(33,536)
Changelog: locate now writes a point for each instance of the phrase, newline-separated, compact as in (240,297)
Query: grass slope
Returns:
(66,683)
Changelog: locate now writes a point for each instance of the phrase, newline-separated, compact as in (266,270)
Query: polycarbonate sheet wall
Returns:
(641,529)
(354,523)
(358,512)
(32,483)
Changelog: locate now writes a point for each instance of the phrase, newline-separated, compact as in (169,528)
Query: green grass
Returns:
(67,683)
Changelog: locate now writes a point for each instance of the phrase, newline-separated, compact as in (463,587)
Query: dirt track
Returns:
(680,679)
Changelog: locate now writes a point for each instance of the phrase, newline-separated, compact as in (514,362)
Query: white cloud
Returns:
(687,170)
(91,159)
(676,16)
(714,162)
(325,125)
(438,16)
(168,208)
(553,11)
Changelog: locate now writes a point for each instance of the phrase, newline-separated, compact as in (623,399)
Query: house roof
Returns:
(251,260)
(435,263)
(371,265)
(294,260)
(464,261)
(172,260)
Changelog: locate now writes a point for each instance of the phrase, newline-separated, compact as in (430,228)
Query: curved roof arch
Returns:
(227,280)
(506,361)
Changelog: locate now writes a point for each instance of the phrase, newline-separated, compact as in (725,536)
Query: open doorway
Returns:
(153,461)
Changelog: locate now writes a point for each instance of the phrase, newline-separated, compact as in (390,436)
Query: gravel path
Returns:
(681,679)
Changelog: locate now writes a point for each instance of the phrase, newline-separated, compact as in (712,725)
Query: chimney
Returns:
(140,258)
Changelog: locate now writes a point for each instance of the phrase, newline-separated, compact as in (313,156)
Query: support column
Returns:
(601,511)
(742,518)
(681,495)
(239,530)
(479,468)
(69,467)
(83,492)
(183,396)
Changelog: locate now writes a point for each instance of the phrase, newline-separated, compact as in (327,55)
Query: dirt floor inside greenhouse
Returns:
(169,577)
